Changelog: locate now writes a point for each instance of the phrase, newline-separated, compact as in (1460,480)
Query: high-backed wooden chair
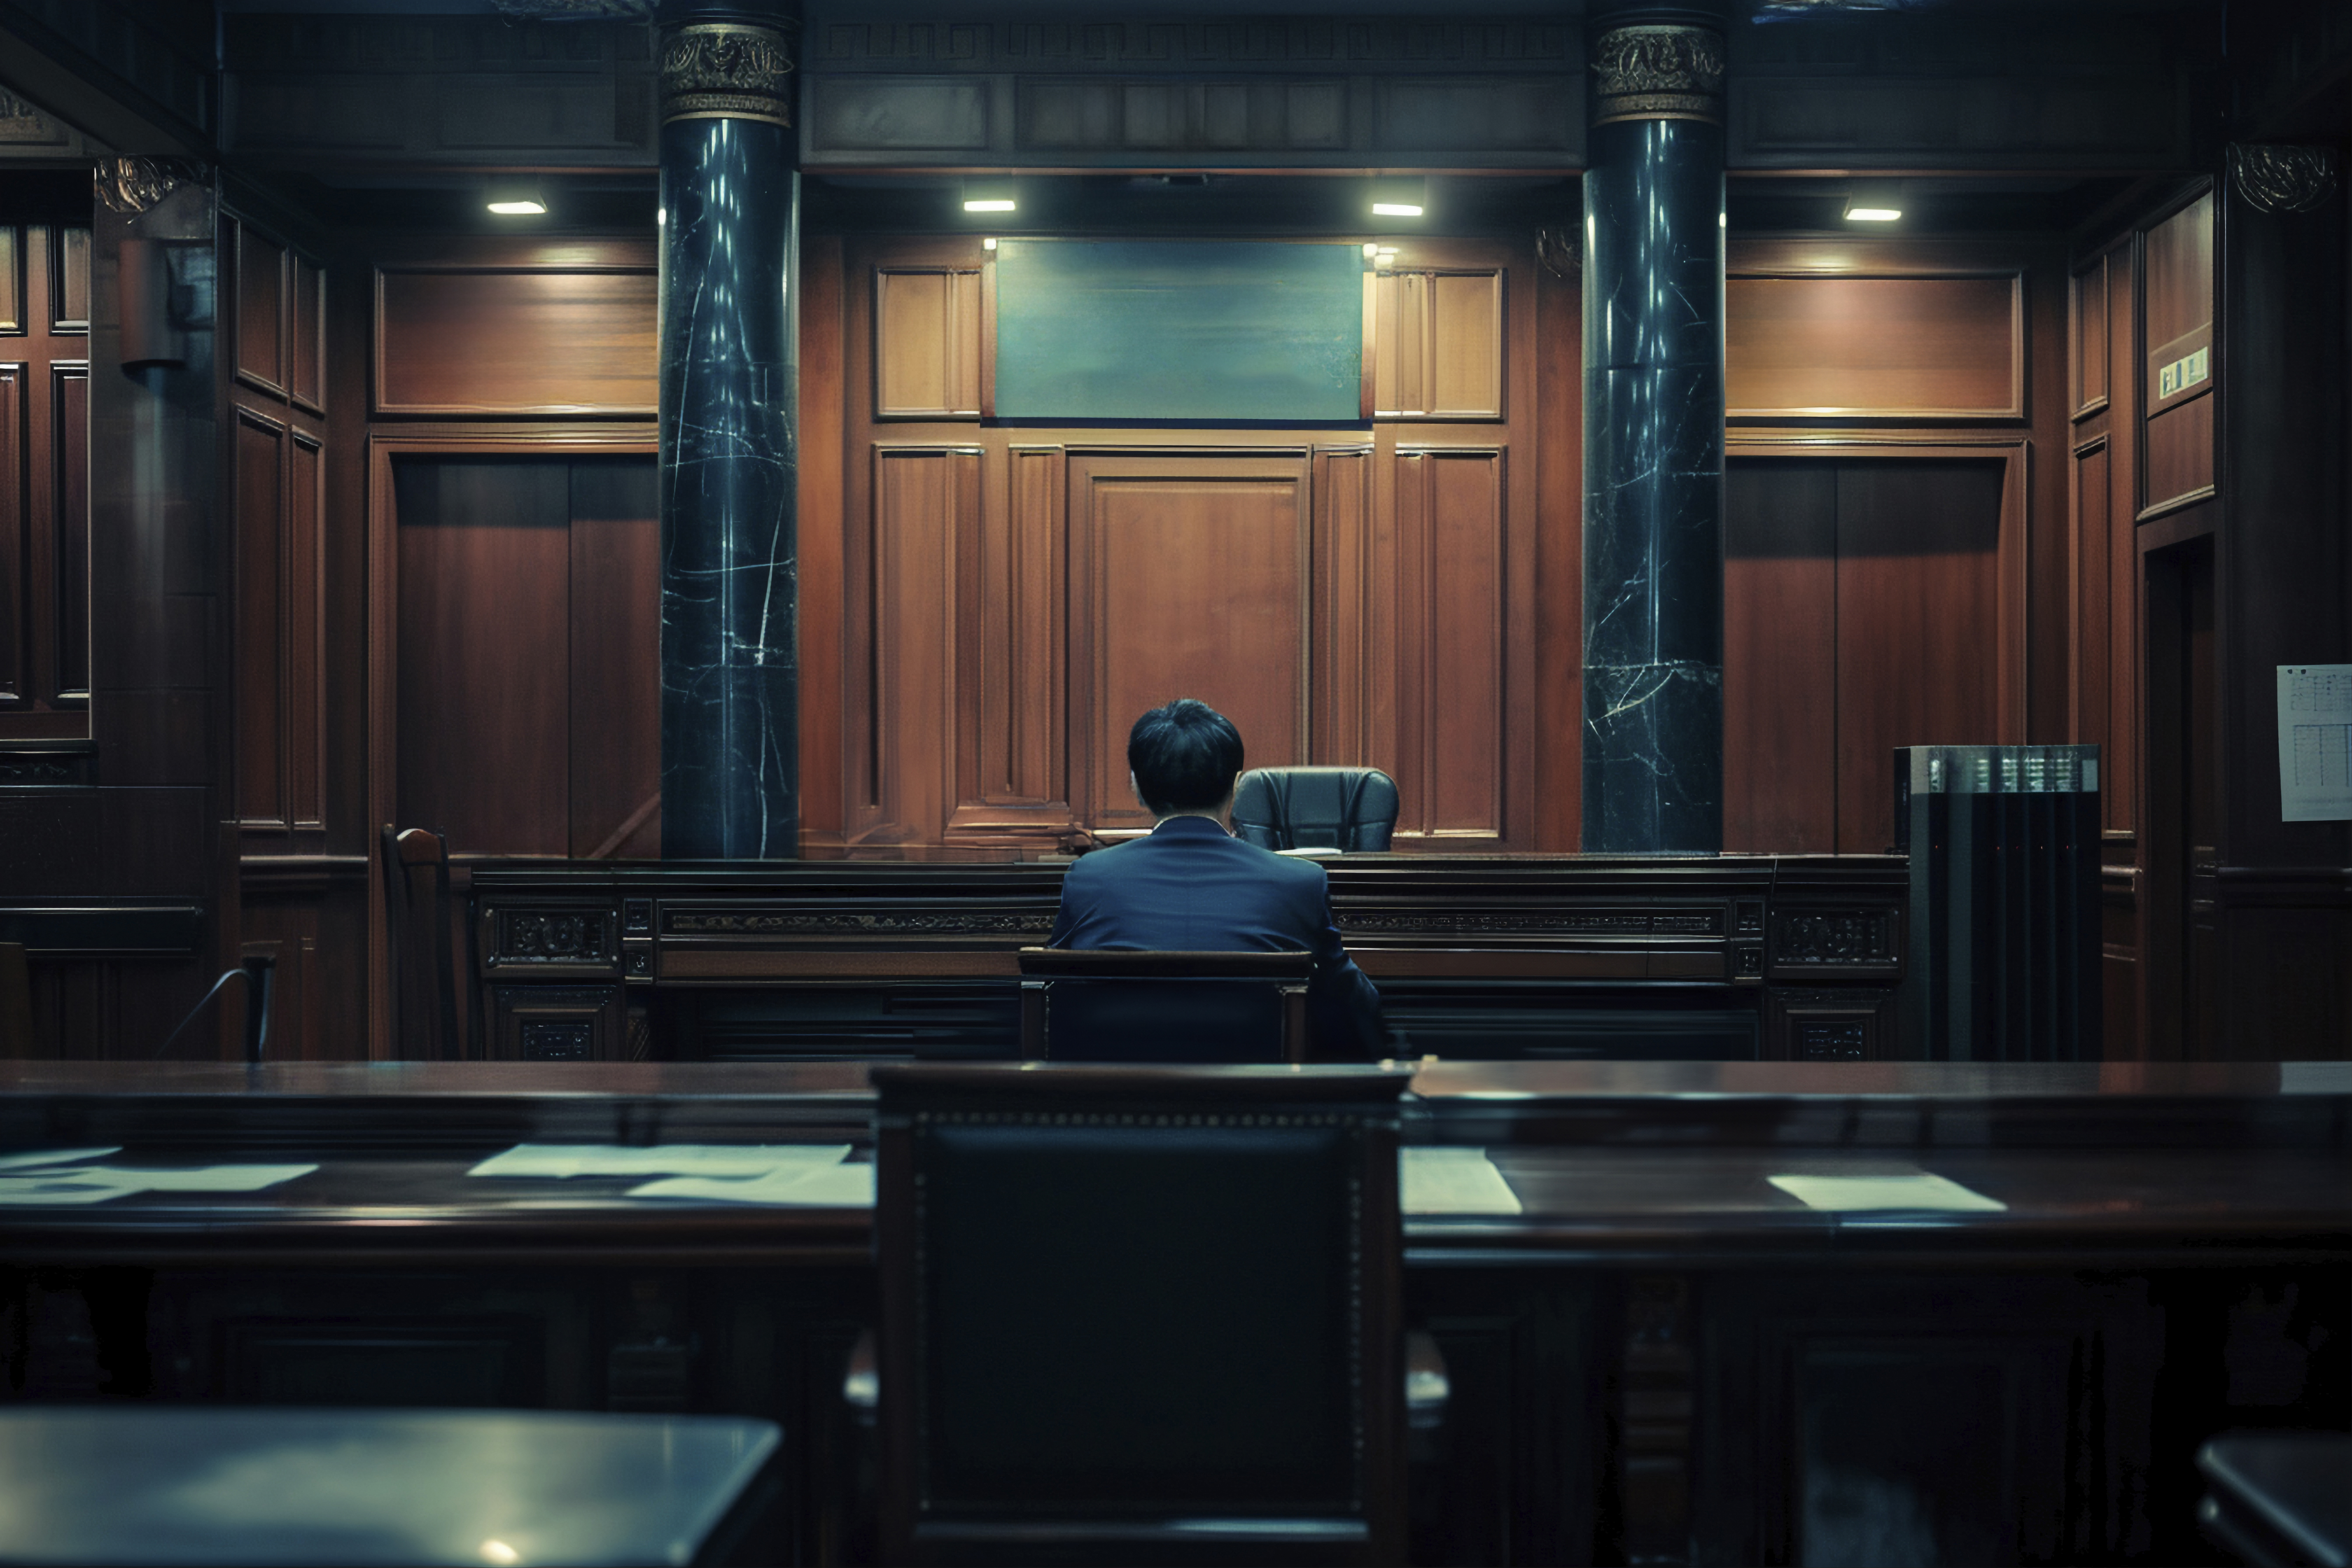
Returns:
(1105,1004)
(417,945)
(1134,1314)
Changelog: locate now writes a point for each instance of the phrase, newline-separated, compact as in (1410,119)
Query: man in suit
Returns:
(1192,886)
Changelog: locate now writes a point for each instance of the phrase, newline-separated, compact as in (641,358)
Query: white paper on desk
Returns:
(56,1157)
(96,1184)
(1452,1181)
(1919,1190)
(661,1159)
(2315,735)
(834,1186)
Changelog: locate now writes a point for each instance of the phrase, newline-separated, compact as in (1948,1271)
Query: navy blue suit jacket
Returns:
(1192,887)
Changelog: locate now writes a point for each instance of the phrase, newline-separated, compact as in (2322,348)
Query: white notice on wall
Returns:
(2315,732)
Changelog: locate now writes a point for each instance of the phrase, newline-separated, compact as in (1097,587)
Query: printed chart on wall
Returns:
(2315,730)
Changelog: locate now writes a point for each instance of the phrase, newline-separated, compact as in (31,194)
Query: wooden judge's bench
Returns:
(1786,958)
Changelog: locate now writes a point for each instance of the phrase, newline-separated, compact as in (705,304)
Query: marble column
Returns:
(1654,435)
(730,390)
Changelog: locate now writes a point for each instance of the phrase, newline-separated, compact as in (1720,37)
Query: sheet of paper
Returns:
(56,1157)
(2315,734)
(809,1186)
(662,1159)
(1856,1195)
(2316,1078)
(96,1184)
(1452,1181)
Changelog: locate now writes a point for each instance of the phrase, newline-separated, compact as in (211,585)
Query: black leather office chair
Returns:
(1315,808)
(1135,1314)
(1110,1005)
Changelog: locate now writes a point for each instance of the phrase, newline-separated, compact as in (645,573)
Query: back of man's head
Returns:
(1183,756)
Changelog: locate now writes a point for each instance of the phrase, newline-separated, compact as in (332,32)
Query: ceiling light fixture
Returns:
(989,197)
(517,198)
(1400,198)
(1879,204)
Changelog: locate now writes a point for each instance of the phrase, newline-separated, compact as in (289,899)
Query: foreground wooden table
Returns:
(1664,1353)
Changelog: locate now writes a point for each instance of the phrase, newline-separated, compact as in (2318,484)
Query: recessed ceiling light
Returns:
(511,196)
(520,208)
(1878,204)
(1395,209)
(988,204)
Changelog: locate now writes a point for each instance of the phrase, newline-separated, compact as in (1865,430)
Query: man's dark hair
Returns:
(1184,756)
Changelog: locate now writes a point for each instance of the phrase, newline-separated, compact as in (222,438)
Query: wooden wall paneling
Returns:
(305,356)
(2087,337)
(1453,586)
(2093,636)
(564,329)
(68,490)
(2126,655)
(1438,343)
(926,508)
(258,514)
(1780,657)
(12,279)
(262,309)
(69,278)
(1466,358)
(1919,581)
(1853,345)
(927,347)
(15,586)
(483,609)
(821,525)
(1346,660)
(1193,570)
(306,649)
(2175,322)
(1557,648)
(1011,712)
(614,622)
(2048,486)
(2178,457)
(1400,377)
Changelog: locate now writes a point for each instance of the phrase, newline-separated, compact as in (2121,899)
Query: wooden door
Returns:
(529,654)
(1190,579)
(1861,612)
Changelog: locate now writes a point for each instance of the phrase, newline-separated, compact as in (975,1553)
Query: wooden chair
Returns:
(1139,1314)
(1104,1004)
(417,945)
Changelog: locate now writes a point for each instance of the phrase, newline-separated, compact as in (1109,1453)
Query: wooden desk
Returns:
(1781,957)
(1663,1348)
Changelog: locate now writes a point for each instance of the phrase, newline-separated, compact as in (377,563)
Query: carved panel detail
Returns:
(1659,72)
(569,936)
(1833,938)
(854,924)
(726,70)
(2281,178)
(1526,923)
